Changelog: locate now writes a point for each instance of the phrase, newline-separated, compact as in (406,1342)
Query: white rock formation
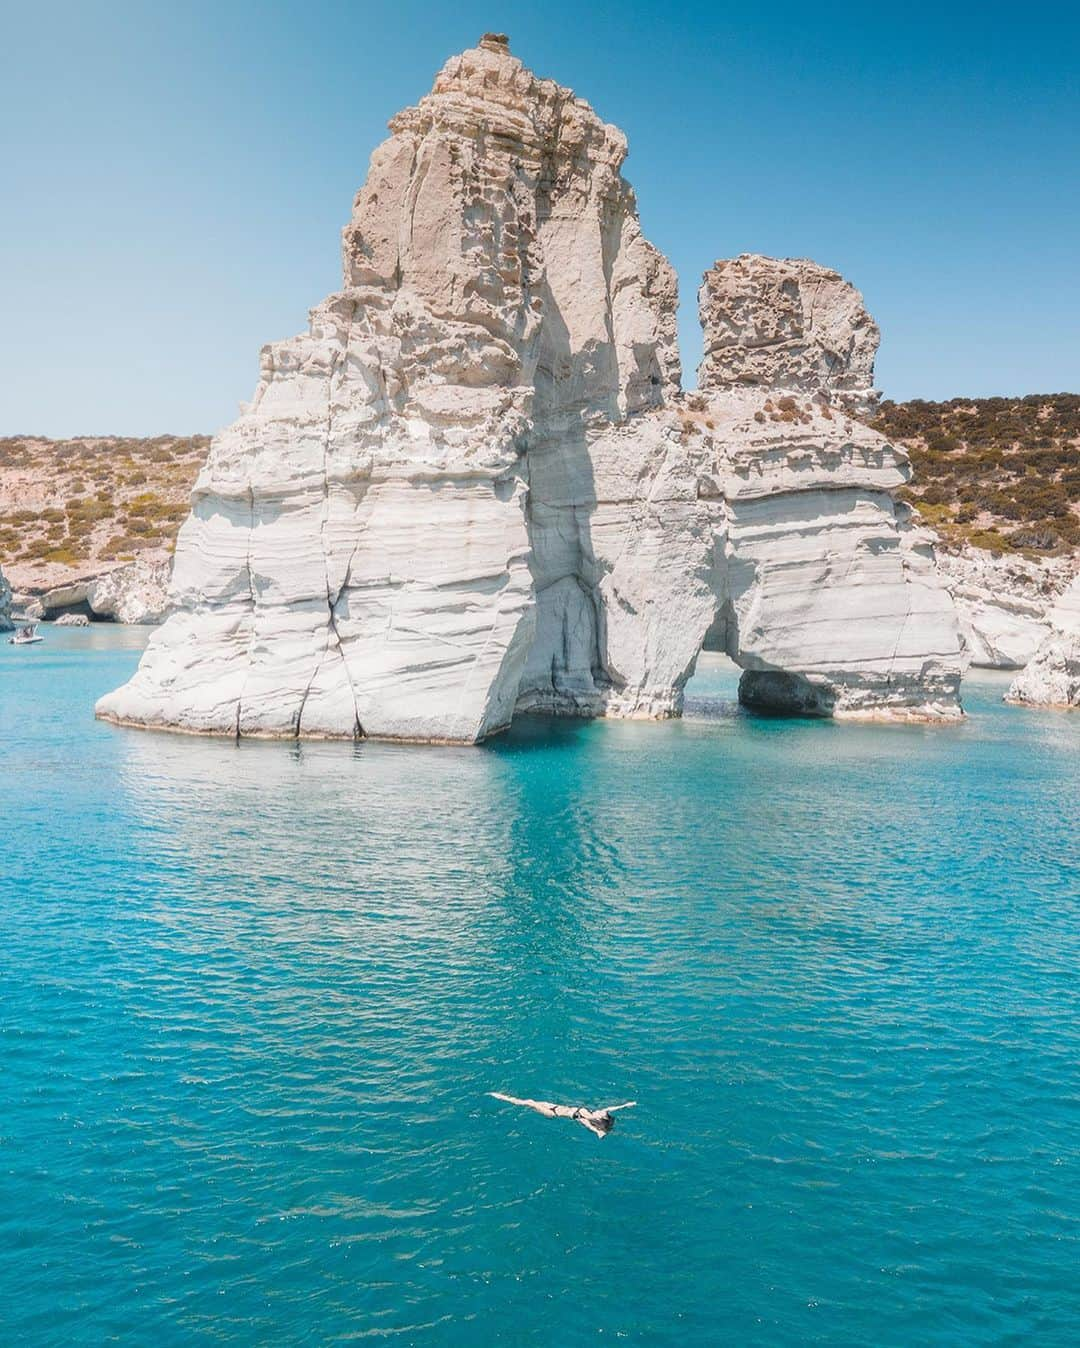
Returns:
(473,486)
(1052,677)
(136,593)
(788,323)
(73,620)
(5,605)
(1003,602)
(830,599)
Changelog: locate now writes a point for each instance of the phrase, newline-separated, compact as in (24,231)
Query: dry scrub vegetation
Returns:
(70,508)
(999,473)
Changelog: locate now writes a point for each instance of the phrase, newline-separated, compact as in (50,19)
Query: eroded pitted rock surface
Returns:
(474,487)
(787,323)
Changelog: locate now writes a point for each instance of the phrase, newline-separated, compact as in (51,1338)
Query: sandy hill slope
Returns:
(75,508)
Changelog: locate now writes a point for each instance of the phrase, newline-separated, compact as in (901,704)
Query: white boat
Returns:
(25,636)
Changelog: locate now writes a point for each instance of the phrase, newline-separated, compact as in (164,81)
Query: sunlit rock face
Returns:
(358,555)
(473,487)
(830,600)
(1052,676)
(827,597)
(1004,602)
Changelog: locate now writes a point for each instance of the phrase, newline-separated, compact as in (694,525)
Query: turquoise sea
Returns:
(252,997)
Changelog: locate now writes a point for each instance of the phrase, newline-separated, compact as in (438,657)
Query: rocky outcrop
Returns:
(1003,602)
(73,620)
(1052,676)
(137,593)
(473,486)
(788,323)
(830,599)
(5,605)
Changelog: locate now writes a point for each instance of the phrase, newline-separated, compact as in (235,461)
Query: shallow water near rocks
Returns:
(251,998)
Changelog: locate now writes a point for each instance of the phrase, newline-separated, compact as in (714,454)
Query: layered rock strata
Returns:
(473,486)
(830,599)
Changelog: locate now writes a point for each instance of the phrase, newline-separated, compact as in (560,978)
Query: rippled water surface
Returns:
(251,998)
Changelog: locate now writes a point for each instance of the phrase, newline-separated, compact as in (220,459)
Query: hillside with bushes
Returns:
(999,473)
(71,508)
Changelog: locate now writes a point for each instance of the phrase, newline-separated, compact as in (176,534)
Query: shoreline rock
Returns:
(6,624)
(134,594)
(1052,677)
(1004,602)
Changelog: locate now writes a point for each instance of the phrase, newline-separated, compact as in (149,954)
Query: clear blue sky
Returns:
(175,176)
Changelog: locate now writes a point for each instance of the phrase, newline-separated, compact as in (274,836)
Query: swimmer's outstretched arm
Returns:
(610,1109)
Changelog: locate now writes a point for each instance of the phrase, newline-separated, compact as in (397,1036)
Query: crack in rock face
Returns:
(473,486)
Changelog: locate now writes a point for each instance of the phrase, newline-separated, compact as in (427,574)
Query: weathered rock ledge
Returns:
(1004,602)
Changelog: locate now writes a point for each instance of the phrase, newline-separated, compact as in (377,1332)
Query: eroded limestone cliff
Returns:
(473,486)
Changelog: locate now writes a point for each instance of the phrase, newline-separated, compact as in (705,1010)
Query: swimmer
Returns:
(598,1121)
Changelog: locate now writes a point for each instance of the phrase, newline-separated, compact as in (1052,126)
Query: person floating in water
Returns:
(598,1121)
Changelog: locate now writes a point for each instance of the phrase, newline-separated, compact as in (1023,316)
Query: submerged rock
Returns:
(474,486)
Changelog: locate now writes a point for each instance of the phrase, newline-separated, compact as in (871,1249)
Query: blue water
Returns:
(251,998)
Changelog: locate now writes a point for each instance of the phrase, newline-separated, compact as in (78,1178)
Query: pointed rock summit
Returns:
(473,486)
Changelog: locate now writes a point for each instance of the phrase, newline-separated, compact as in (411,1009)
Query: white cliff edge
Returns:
(473,487)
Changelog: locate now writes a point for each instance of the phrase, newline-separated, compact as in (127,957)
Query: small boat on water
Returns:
(25,635)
